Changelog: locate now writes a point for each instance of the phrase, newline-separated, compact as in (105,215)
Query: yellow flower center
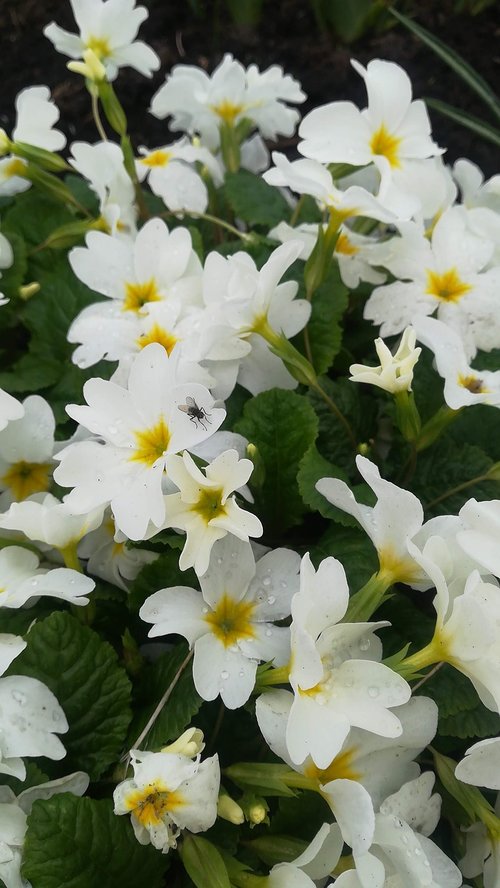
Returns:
(156,158)
(137,295)
(151,443)
(100,46)
(473,384)
(209,504)
(160,335)
(397,568)
(385,144)
(227,111)
(15,167)
(345,246)
(340,769)
(149,805)
(24,478)
(447,286)
(230,621)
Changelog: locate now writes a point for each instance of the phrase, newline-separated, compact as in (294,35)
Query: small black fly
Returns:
(196,414)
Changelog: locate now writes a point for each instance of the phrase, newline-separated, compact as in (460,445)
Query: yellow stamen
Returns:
(151,443)
(24,478)
(137,295)
(385,144)
(345,246)
(149,805)
(156,158)
(227,111)
(100,46)
(399,569)
(15,167)
(473,384)
(447,286)
(209,504)
(230,622)
(340,769)
(160,335)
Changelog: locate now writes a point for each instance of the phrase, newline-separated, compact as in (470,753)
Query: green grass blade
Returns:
(485,130)
(454,61)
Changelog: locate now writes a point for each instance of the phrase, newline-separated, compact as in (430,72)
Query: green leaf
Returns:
(183,703)
(282,425)
(455,62)
(347,19)
(93,690)
(253,200)
(329,303)
(13,277)
(160,574)
(446,466)
(358,407)
(34,216)
(479,425)
(461,713)
(353,549)
(204,863)
(312,467)
(80,842)
(478,126)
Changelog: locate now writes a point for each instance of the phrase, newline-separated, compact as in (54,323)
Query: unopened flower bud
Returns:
(190,744)
(91,67)
(229,810)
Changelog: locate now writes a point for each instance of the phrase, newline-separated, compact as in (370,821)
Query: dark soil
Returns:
(287,35)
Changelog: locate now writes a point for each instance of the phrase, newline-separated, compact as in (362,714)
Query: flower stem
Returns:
(369,598)
(97,117)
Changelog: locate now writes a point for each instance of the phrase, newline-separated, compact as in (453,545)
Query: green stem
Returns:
(427,656)
(97,117)
(435,426)
(369,598)
(296,212)
(457,489)
(71,560)
(338,413)
(274,677)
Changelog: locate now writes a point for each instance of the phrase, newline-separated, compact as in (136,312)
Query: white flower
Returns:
(108,27)
(200,103)
(477,535)
(395,373)
(335,674)
(45,519)
(137,427)
(204,508)
(10,409)
(168,793)
(230,622)
(21,579)
(393,132)
(36,116)
(396,518)
(463,385)
(6,260)
(109,558)
(26,448)
(172,177)
(446,275)
(316,862)
(481,765)
(102,165)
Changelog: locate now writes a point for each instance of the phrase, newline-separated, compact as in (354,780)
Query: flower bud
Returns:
(229,810)
(395,372)
(190,744)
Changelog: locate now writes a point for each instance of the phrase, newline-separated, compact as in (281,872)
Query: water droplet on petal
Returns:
(269,632)
(266,581)
(283,584)
(219,560)
(364,644)
(224,675)
(241,673)
(271,599)
(34,582)
(373,691)
(204,610)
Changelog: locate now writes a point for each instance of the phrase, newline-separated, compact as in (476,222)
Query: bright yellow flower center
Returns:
(100,46)
(137,295)
(149,805)
(340,769)
(227,111)
(157,158)
(151,443)
(15,167)
(473,384)
(385,144)
(447,286)
(345,246)
(209,504)
(400,569)
(230,621)
(160,335)
(24,478)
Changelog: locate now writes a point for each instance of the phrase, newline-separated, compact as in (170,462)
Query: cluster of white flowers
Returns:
(149,455)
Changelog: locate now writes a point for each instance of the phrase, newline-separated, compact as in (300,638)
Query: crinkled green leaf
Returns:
(82,671)
(253,200)
(461,713)
(80,843)
(329,303)
(160,574)
(353,549)
(479,425)
(34,216)
(182,705)
(282,425)
(443,468)
(360,411)
(312,467)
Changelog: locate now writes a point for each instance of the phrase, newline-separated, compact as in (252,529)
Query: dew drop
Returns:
(224,675)
(204,610)
(283,584)
(271,599)
(266,581)
(112,430)
(269,632)
(417,852)
(241,673)
(34,582)
(364,644)
(373,692)
(234,554)
(219,560)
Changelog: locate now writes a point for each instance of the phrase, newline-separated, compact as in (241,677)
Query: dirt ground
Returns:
(287,35)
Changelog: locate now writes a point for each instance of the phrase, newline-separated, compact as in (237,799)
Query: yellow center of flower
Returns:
(100,46)
(230,621)
(160,335)
(15,167)
(345,246)
(227,111)
(447,286)
(24,478)
(151,444)
(137,295)
(473,384)
(340,769)
(397,568)
(209,504)
(385,144)
(150,804)
(158,158)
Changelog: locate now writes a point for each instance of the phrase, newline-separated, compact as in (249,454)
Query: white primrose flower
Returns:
(108,28)
(200,103)
(6,260)
(402,854)
(169,792)
(135,428)
(395,519)
(46,519)
(463,385)
(446,275)
(243,306)
(481,765)
(10,409)
(21,579)
(102,165)
(26,448)
(395,373)
(204,507)
(393,132)
(477,535)
(109,558)
(30,715)
(482,200)
(172,176)
(230,622)
(316,862)
(337,680)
